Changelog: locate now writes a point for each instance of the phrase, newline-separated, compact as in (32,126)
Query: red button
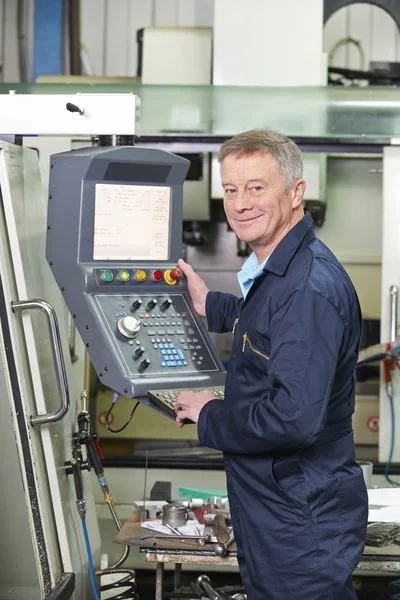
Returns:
(157,275)
(176,274)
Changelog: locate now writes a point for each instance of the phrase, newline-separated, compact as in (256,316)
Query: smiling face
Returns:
(259,207)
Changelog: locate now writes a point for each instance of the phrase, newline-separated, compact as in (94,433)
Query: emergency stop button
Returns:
(171,276)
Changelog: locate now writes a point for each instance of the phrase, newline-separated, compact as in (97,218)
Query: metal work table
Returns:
(375,562)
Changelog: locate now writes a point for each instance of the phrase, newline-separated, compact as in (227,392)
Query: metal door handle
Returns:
(58,356)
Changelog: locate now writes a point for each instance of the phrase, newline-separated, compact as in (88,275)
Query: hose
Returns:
(90,562)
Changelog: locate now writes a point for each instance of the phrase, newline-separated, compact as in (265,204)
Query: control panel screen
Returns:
(131,222)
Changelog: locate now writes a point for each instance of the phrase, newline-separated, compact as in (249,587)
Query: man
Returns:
(297,495)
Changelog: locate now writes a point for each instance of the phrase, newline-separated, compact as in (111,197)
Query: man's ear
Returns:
(298,193)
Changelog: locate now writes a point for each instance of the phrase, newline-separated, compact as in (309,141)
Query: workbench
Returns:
(376,561)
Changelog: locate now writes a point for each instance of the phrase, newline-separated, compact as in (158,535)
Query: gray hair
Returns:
(287,155)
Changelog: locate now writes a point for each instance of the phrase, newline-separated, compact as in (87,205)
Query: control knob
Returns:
(128,326)
(145,363)
(139,351)
(166,304)
(152,303)
(137,304)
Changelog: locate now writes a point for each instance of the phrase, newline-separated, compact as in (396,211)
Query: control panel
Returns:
(156,334)
(113,242)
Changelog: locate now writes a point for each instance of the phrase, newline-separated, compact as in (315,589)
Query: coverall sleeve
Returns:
(221,311)
(306,337)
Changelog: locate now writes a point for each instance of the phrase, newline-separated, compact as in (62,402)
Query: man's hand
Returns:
(197,288)
(189,404)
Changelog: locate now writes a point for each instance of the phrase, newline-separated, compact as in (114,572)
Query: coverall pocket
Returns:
(353,505)
(256,350)
(287,478)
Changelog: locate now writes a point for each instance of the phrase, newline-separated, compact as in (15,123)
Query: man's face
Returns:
(257,205)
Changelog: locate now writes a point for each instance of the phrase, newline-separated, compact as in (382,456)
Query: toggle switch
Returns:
(152,303)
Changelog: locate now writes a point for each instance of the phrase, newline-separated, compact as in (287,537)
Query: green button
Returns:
(108,276)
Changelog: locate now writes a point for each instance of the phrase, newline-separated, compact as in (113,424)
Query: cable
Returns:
(90,562)
(343,41)
(389,391)
(116,396)
(128,582)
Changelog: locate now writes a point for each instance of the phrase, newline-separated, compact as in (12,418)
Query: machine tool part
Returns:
(378,352)
(222,549)
(175,515)
(209,532)
(74,108)
(393,312)
(204,584)
(202,540)
(221,528)
(104,114)
(126,290)
(128,326)
(173,529)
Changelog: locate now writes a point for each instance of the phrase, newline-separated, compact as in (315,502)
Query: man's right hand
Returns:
(197,288)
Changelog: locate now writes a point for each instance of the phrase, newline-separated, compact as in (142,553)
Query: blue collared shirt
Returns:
(248,273)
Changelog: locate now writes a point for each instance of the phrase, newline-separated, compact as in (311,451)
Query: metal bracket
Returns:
(58,356)
(393,312)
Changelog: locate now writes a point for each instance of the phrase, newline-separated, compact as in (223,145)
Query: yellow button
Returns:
(141,275)
(124,275)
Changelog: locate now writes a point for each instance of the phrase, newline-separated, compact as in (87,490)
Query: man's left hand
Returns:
(189,404)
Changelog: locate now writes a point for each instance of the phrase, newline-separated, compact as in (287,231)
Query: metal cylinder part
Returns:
(175,514)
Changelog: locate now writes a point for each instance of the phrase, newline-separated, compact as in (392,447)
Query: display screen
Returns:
(131,222)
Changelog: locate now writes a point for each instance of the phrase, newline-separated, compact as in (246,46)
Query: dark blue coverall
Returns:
(297,495)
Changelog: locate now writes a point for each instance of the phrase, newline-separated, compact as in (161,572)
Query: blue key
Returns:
(166,345)
(179,363)
(161,345)
(180,354)
(169,363)
(163,364)
(163,351)
(170,345)
(168,351)
(173,363)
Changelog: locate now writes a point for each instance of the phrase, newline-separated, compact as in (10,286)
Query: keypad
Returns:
(165,399)
(171,329)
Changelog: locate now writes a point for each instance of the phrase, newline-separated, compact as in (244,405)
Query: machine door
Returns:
(34,388)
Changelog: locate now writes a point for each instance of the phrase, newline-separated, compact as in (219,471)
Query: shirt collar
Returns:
(249,271)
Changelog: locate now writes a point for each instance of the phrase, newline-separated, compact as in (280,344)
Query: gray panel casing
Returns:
(95,304)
